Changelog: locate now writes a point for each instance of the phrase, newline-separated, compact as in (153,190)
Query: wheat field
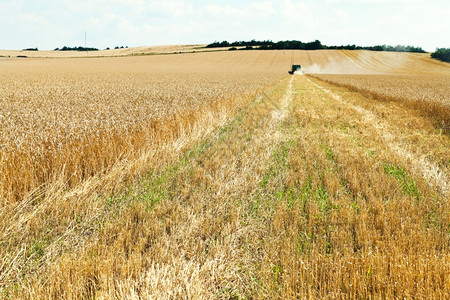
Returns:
(217,175)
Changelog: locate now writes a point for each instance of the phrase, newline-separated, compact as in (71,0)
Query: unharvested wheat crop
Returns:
(428,93)
(71,119)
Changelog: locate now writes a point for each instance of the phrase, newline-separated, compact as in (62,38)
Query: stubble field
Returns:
(216,175)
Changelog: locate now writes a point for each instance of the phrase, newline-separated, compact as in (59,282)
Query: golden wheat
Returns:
(206,176)
(71,124)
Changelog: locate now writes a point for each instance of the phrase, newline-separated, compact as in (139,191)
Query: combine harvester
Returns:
(295,68)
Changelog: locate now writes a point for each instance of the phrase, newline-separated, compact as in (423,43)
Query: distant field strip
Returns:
(397,63)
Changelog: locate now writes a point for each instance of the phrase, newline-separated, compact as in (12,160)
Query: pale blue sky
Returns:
(56,23)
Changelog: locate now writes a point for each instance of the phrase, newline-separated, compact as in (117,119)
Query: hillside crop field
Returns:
(168,49)
(218,175)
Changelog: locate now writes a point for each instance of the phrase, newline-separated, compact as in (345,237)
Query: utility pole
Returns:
(85,32)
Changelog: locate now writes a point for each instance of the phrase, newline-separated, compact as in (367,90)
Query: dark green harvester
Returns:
(294,69)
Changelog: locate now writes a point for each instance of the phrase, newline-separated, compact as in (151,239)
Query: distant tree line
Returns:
(65,48)
(31,49)
(315,45)
(398,48)
(442,54)
(269,45)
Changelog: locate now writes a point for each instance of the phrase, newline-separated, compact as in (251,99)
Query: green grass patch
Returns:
(279,164)
(330,154)
(405,181)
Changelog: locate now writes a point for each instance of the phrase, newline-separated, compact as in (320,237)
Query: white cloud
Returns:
(297,12)
(342,16)
(171,8)
(7,8)
(227,11)
(263,8)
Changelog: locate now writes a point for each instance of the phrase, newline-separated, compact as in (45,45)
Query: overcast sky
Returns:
(48,24)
